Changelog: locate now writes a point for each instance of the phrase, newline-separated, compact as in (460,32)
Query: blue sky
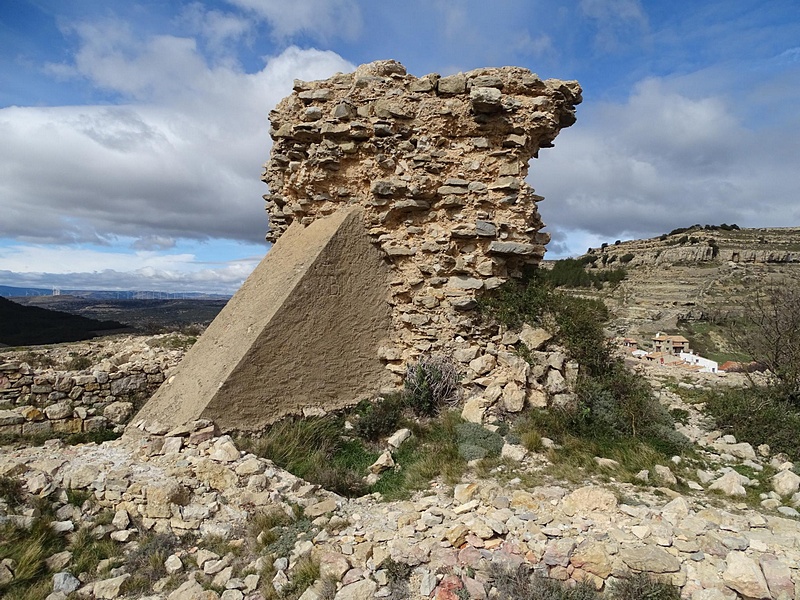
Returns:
(133,133)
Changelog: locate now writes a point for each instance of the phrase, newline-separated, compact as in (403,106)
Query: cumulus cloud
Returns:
(319,19)
(151,269)
(179,157)
(663,160)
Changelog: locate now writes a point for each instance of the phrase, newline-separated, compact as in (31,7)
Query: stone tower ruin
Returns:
(428,177)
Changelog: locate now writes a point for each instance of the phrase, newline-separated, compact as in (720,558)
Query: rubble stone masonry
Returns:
(438,165)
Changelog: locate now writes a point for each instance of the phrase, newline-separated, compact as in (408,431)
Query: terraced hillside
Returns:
(694,274)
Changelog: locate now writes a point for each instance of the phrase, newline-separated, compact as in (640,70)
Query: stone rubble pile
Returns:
(194,483)
(39,401)
(438,164)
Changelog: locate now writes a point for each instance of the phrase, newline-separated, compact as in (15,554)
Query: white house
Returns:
(708,365)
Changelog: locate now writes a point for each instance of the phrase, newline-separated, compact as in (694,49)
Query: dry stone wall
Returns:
(438,165)
(36,401)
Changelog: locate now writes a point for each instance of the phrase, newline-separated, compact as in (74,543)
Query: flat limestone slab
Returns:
(302,331)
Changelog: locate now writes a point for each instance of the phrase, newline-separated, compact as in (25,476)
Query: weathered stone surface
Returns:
(108,589)
(730,483)
(248,356)
(651,559)
(370,143)
(778,577)
(588,499)
(786,483)
(383,463)
(321,508)
(592,557)
(65,583)
(118,412)
(59,410)
(743,575)
(360,590)
(534,338)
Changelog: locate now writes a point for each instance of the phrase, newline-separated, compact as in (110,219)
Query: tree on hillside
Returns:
(769,331)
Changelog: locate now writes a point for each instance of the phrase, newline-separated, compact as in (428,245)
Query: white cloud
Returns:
(181,158)
(319,19)
(220,30)
(616,21)
(663,160)
(82,268)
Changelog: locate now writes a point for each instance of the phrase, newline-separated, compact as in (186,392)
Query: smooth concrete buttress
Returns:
(302,331)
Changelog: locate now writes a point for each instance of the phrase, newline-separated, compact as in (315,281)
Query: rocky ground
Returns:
(691,526)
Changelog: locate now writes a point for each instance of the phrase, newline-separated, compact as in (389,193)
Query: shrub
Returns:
(380,418)
(769,331)
(88,551)
(11,491)
(431,384)
(613,402)
(571,272)
(641,586)
(626,258)
(475,441)
(146,562)
(757,415)
(521,584)
(79,363)
(267,524)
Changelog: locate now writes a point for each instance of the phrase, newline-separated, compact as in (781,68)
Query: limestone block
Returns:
(118,412)
(650,559)
(59,410)
(786,483)
(743,575)
(453,84)
(534,338)
(513,397)
(731,483)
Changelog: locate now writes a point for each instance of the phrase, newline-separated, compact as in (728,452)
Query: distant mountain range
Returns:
(17,292)
(28,325)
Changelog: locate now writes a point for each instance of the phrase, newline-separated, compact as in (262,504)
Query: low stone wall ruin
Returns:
(37,401)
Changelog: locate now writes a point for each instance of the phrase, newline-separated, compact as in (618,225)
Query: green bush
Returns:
(475,441)
(755,414)
(571,272)
(626,258)
(380,418)
(11,491)
(613,402)
(521,584)
(146,562)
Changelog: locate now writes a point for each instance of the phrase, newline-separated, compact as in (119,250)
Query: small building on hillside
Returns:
(662,358)
(670,344)
(706,365)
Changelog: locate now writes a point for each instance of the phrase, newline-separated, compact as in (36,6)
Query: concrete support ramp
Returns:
(303,331)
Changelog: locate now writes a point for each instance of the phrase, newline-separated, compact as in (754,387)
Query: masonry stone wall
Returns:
(439,166)
(39,401)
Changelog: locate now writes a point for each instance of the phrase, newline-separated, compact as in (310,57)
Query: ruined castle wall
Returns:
(438,165)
